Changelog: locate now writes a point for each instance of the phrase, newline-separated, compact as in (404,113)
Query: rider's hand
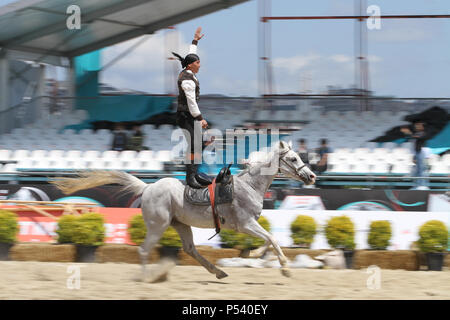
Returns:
(198,34)
(204,124)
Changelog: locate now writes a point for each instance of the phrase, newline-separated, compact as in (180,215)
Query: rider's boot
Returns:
(191,172)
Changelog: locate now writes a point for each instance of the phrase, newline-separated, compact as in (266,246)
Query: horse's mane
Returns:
(257,158)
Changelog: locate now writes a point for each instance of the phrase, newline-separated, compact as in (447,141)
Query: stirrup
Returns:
(203,179)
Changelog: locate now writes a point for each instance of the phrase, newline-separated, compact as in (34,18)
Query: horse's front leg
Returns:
(185,233)
(259,252)
(253,228)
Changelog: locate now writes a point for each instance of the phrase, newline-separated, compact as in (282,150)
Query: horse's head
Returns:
(291,164)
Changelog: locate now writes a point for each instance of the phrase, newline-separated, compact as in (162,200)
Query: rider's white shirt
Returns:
(189,89)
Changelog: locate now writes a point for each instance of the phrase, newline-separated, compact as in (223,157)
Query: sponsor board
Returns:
(319,199)
(302,202)
(34,227)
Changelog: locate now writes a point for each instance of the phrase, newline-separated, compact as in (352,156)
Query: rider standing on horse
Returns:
(189,116)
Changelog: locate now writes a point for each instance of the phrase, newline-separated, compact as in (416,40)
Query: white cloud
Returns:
(293,65)
(341,58)
(144,67)
(313,72)
(374,59)
(400,31)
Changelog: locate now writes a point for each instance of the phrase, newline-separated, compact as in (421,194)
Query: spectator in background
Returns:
(419,135)
(120,138)
(323,152)
(136,140)
(303,151)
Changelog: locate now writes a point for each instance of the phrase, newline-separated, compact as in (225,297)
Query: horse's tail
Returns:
(95,178)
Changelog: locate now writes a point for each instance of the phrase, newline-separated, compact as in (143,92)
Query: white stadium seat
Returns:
(440,168)
(20,155)
(110,154)
(164,155)
(145,155)
(127,155)
(73,154)
(152,165)
(5,154)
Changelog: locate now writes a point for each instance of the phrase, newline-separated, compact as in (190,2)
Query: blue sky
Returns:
(408,58)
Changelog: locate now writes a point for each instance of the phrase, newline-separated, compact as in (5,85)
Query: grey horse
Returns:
(163,202)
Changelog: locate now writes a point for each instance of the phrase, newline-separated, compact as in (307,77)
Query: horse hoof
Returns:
(221,275)
(286,272)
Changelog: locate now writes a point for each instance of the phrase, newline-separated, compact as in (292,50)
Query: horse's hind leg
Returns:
(154,233)
(254,228)
(185,233)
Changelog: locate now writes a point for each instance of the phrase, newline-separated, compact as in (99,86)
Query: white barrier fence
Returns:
(405,226)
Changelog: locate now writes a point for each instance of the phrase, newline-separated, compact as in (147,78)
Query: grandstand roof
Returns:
(39,26)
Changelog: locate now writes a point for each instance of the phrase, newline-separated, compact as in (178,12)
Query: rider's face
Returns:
(194,66)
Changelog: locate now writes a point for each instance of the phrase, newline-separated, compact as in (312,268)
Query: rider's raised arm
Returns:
(197,36)
(193,47)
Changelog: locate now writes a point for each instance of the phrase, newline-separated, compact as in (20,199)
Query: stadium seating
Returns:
(45,146)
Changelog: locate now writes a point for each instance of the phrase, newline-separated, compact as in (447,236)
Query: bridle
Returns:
(288,164)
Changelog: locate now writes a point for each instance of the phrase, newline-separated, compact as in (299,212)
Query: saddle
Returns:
(219,191)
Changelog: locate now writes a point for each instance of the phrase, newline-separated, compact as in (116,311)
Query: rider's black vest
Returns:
(182,101)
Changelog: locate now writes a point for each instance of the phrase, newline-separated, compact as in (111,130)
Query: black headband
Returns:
(190,58)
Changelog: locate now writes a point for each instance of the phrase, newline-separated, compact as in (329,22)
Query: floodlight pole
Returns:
(362,65)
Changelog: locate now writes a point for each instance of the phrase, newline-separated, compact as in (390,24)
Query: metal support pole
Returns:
(4,80)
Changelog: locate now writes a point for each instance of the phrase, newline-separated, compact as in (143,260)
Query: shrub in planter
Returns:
(433,238)
(137,229)
(379,235)
(86,231)
(340,233)
(8,232)
(303,230)
(8,226)
(170,238)
(89,230)
(66,228)
(170,244)
(242,241)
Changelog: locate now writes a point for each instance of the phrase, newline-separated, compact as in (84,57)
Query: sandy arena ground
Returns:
(45,280)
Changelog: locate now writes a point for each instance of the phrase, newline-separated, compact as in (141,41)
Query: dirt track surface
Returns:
(48,280)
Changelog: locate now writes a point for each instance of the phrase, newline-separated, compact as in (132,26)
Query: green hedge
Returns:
(170,238)
(303,230)
(433,236)
(87,229)
(233,239)
(8,226)
(66,228)
(379,235)
(340,233)
(138,230)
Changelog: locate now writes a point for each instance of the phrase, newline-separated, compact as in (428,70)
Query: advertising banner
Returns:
(308,199)
(34,227)
(405,226)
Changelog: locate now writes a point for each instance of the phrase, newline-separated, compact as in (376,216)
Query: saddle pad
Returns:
(224,194)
